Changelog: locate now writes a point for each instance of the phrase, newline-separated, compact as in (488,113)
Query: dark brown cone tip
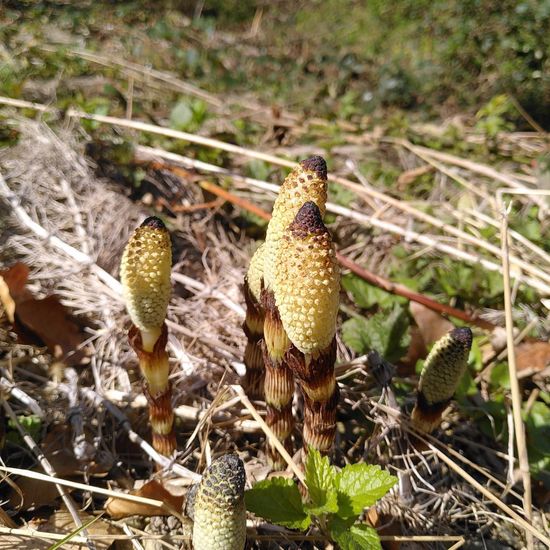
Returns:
(153,222)
(315,164)
(463,335)
(308,219)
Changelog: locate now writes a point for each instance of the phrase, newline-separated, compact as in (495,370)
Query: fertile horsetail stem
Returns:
(306,182)
(306,289)
(440,377)
(145,277)
(218,508)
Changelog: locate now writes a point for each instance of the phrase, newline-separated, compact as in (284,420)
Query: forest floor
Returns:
(111,116)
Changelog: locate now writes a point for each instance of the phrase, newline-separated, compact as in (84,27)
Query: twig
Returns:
(45,463)
(514,383)
(83,486)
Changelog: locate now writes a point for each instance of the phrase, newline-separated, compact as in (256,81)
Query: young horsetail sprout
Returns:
(145,276)
(442,371)
(218,508)
(253,326)
(307,182)
(306,289)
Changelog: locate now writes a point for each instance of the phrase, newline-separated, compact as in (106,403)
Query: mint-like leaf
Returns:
(278,500)
(354,334)
(359,486)
(387,333)
(359,537)
(321,484)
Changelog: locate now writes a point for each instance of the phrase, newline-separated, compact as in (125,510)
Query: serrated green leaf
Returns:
(354,334)
(278,500)
(387,333)
(359,537)
(359,486)
(321,484)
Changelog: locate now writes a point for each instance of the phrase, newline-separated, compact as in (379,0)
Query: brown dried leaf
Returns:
(52,323)
(36,493)
(16,278)
(62,522)
(432,326)
(118,508)
(533,355)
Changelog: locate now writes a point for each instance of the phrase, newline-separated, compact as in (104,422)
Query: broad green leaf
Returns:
(387,333)
(361,485)
(366,295)
(278,500)
(321,484)
(354,334)
(359,537)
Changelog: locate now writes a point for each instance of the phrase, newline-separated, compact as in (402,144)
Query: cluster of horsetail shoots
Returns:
(440,377)
(299,297)
(253,327)
(217,506)
(145,276)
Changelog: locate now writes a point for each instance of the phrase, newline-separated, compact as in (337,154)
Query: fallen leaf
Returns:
(16,278)
(533,355)
(36,493)
(50,320)
(431,325)
(118,508)
(62,522)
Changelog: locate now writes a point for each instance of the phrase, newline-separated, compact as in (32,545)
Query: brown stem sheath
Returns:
(155,370)
(279,381)
(315,375)
(253,327)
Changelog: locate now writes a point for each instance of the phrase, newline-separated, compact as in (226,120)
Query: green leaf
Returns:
(278,500)
(354,334)
(359,537)
(361,485)
(387,333)
(321,484)
(366,295)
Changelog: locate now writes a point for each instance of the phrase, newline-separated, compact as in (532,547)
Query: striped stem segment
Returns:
(315,375)
(253,326)
(279,381)
(145,276)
